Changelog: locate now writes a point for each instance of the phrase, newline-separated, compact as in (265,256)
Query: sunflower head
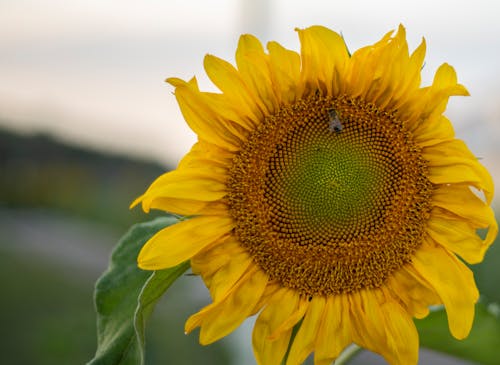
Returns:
(326,191)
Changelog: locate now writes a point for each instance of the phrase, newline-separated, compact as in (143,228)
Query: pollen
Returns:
(330,195)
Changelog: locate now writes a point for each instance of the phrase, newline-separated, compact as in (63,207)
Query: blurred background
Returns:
(87,123)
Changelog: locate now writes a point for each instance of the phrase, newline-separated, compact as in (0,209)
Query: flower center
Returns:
(330,195)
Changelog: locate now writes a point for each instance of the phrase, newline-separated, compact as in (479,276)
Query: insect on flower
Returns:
(334,124)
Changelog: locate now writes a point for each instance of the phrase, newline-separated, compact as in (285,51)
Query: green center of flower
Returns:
(330,195)
(330,180)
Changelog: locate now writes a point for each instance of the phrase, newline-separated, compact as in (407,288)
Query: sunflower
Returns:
(326,193)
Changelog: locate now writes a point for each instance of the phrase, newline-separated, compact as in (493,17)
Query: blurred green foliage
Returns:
(46,317)
(487,273)
(480,346)
(38,172)
(47,312)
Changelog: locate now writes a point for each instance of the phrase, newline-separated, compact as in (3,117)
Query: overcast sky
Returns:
(92,71)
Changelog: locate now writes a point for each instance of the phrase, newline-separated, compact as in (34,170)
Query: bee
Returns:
(334,124)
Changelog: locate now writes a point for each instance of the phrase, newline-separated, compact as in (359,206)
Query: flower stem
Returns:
(347,354)
(292,337)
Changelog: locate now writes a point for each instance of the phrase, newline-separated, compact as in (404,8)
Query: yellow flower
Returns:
(327,190)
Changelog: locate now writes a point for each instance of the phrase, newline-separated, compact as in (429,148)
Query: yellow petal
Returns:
(176,82)
(390,70)
(221,267)
(205,158)
(204,121)
(212,258)
(415,297)
(366,68)
(445,77)
(458,236)
(187,207)
(221,318)
(271,288)
(228,80)
(452,281)
(402,72)
(230,112)
(399,325)
(334,333)
(434,99)
(188,184)
(433,130)
(204,154)
(181,241)
(466,173)
(448,152)
(286,71)
(253,65)
(281,306)
(443,86)
(324,56)
(380,324)
(410,80)
(222,281)
(360,66)
(292,320)
(220,107)
(461,201)
(453,156)
(303,343)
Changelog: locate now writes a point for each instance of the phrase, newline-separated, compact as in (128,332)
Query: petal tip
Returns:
(135,202)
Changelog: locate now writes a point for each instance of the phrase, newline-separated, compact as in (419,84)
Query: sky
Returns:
(91,72)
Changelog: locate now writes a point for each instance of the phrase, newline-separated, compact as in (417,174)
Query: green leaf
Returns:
(125,297)
(481,346)
(155,287)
